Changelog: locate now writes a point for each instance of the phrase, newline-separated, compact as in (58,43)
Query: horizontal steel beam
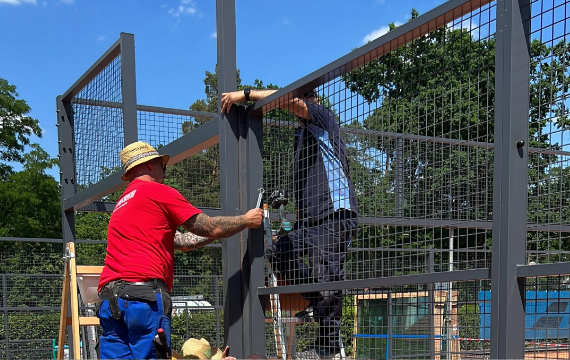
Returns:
(345,130)
(422,25)
(182,148)
(93,71)
(418,138)
(99,206)
(155,109)
(541,270)
(108,207)
(434,223)
(27,309)
(428,278)
(31,239)
(33,275)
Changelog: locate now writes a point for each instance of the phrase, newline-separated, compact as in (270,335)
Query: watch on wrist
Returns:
(246,93)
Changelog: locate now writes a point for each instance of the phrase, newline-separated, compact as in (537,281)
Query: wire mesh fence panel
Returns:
(32,334)
(378,166)
(407,136)
(549,118)
(98,126)
(429,321)
(197,178)
(547,312)
(161,126)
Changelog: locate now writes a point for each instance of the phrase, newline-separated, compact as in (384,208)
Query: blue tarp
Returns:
(547,315)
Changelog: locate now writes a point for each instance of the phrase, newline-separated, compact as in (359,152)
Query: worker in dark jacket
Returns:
(326,210)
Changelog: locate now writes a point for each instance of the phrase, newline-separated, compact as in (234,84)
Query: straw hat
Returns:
(200,349)
(137,153)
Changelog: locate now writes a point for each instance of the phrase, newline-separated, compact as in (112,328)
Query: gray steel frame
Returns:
(239,134)
(512,93)
(229,172)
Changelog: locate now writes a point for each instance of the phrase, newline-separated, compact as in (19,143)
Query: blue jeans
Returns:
(131,336)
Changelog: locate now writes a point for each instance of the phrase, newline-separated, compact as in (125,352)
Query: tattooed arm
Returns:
(188,241)
(220,227)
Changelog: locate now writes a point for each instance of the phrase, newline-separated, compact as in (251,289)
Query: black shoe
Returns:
(306,315)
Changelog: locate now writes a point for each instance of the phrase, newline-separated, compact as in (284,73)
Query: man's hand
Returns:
(225,354)
(228,99)
(254,217)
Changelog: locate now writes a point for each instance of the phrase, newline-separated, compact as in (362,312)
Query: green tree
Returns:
(15,126)
(442,85)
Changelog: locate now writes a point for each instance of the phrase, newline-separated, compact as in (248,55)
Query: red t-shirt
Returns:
(140,239)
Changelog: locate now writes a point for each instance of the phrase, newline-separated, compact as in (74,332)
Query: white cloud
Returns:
(68,2)
(45,3)
(214,35)
(163,6)
(186,7)
(17,2)
(377,33)
(101,38)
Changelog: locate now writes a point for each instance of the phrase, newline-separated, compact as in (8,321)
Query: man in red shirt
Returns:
(139,267)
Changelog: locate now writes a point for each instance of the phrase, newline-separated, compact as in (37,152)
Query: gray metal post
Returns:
(431,314)
(129,88)
(216,296)
(253,261)
(390,318)
(6,322)
(67,182)
(512,63)
(229,176)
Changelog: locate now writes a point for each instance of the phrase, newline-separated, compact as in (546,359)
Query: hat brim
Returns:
(165,159)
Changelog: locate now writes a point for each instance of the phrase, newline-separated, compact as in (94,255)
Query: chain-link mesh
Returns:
(98,125)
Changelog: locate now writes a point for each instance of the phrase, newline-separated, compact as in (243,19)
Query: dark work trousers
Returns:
(325,244)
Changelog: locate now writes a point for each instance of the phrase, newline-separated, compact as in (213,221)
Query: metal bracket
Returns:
(68,255)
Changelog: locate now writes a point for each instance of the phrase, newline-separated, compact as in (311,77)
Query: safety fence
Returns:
(430,119)
(395,183)
(32,281)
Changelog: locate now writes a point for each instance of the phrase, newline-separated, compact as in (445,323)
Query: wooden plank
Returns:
(86,269)
(63,315)
(74,303)
(85,321)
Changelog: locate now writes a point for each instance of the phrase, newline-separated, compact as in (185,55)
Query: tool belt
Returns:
(134,291)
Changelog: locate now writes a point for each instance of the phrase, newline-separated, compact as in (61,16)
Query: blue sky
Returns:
(47,45)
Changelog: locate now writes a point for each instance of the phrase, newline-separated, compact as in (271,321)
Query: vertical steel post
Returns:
(129,88)
(512,63)
(449,314)
(216,296)
(253,261)
(390,319)
(6,322)
(431,314)
(229,176)
(67,182)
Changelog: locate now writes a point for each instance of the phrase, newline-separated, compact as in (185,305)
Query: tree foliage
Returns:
(15,126)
